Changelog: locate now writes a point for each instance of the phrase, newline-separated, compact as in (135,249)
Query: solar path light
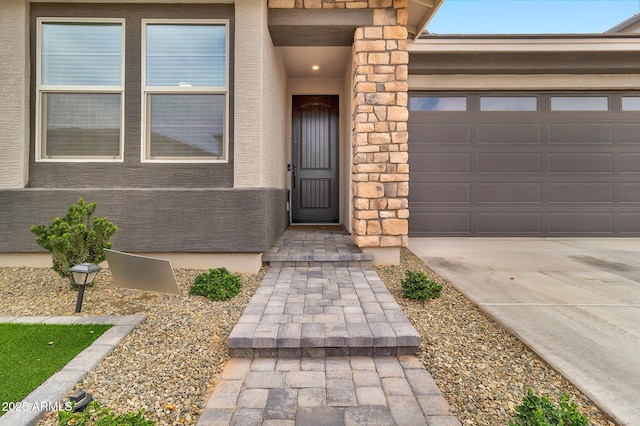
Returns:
(83,275)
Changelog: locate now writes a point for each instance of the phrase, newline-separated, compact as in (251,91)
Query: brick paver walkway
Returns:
(323,342)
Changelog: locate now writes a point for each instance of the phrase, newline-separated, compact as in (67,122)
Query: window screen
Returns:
(80,91)
(185,91)
(183,55)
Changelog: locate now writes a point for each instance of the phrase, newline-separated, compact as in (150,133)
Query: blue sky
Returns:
(530,16)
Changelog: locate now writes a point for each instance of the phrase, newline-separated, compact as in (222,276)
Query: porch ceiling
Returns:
(323,37)
(331,61)
(316,27)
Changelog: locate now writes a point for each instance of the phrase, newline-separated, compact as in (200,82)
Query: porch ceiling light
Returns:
(83,275)
(315,67)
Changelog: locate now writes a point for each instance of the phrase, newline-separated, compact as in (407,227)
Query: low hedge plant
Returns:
(538,410)
(216,284)
(417,285)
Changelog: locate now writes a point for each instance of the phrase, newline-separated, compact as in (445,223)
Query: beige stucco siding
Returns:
(347,152)
(14,93)
(250,22)
(260,101)
(274,118)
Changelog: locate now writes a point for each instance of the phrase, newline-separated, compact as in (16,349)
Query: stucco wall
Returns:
(131,172)
(260,101)
(274,118)
(14,93)
(347,151)
(198,220)
(251,20)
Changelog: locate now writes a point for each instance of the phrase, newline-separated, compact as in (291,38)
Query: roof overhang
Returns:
(316,27)
(518,43)
(622,27)
(420,13)
(477,55)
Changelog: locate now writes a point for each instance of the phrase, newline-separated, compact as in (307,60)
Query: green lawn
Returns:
(31,353)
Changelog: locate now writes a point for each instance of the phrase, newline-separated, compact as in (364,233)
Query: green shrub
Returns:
(416,285)
(95,415)
(76,238)
(216,284)
(539,411)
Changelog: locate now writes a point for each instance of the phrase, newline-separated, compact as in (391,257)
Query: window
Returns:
(439,103)
(185,100)
(508,103)
(579,103)
(79,90)
(631,103)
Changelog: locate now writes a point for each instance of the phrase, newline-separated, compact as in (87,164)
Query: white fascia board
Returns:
(481,45)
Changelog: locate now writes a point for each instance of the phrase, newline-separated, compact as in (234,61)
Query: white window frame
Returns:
(44,89)
(147,91)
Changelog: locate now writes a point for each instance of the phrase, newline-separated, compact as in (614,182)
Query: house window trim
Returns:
(148,91)
(43,89)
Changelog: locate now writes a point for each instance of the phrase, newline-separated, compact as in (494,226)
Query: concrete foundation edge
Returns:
(384,255)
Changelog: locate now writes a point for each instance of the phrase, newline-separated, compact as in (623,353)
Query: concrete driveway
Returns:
(574,301)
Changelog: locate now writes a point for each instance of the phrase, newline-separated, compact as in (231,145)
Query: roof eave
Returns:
(524,43)
(420,13)
(625,24)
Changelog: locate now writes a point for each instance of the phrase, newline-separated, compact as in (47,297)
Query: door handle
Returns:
(293,176)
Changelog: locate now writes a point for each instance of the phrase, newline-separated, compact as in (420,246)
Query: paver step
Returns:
(303,248)
(324,310)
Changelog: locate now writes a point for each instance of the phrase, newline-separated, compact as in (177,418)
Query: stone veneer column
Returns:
(380,155)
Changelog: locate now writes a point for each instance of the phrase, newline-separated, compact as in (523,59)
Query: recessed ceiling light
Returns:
(315,67)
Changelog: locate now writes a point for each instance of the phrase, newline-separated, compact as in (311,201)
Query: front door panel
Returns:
(314,174)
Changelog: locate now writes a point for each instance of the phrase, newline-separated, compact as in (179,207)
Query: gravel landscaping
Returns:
(169,363)
(481,369)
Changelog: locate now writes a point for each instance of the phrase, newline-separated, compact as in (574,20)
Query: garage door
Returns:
(524,164)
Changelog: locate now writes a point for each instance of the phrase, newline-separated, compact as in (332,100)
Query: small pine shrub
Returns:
(76,238)
(216,284)
(416,285)
(539,411)
(95,415)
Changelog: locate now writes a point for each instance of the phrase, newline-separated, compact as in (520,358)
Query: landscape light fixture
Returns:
(83,275)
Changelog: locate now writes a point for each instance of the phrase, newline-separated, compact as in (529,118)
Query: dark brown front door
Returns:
(314,168)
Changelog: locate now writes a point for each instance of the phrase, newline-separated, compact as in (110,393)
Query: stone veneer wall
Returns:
(380,151)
